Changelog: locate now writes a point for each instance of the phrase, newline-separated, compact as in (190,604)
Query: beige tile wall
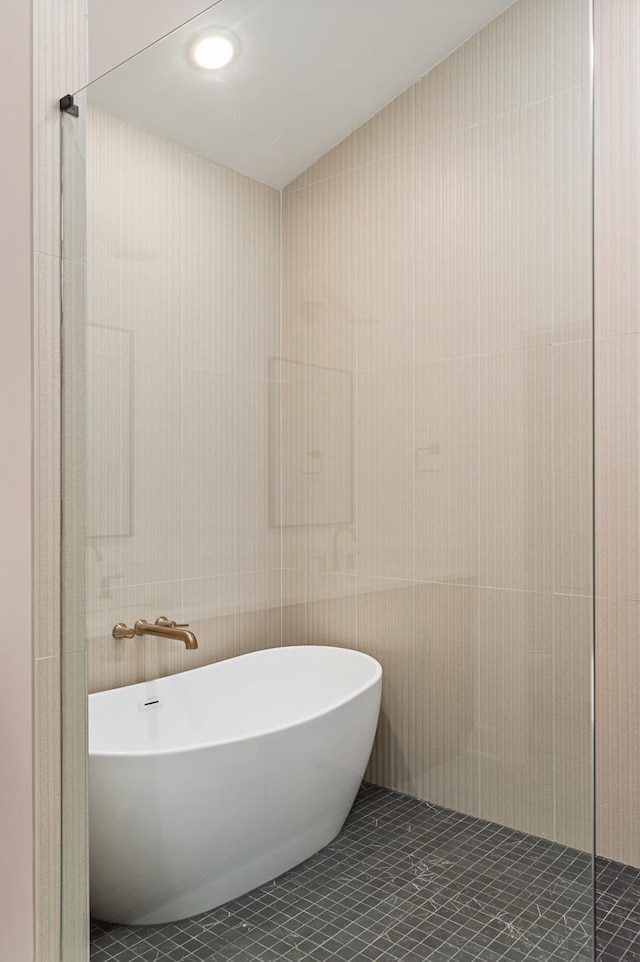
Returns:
(399,271)
(442,255)
(195,283)
(60,66)
(403,580)
(407,585)
(617,328)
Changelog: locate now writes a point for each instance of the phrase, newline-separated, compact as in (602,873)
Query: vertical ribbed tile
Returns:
(571,44)
(617,201)
(616,36)
(183,284)
(617,301)
(390,131)
(616,460)
(385,472)
(501,190)
(514,156)
(60,67)
(257,542)
(446,454)
(386,262)
(291,514)
(340,159)
(618,721)
(514,470)
(73,455)
(572,215)
(295,610)
(109,288)
(319,268)
(112,664)
(385,630)
(573,735)
(515,704)
(204,484)
(274,454)
(573,525)
(327,548)
(47,505)
(446,696)
(73,221)
(157,479)
(296,268)
(319,471)
(134,286)
(208,607)
(447,99)
(516,58)
(49,796)
(334,548)
(134,239)
(257,605)
(450,245)
(289,510)
(256,277)
(75,851)
(60,64)
(110,447)
(332,601)
(207,257)
(327,468)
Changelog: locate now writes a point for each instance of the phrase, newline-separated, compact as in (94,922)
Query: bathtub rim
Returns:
(262,733)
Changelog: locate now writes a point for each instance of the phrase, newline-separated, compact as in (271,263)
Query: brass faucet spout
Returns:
(163,628)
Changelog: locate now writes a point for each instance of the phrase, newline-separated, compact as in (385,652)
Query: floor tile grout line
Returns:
(407,878)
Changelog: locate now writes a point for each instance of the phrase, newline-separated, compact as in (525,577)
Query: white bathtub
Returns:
(233,774)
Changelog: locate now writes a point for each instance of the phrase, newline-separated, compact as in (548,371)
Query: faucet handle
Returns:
(167,623)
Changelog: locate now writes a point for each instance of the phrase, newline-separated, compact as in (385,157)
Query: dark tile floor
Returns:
(410,881)
(618,912)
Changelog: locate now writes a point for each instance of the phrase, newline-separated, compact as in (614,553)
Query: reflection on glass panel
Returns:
(110,432)
(339,401)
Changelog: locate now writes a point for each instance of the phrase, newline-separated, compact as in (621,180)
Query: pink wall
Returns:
(16,745)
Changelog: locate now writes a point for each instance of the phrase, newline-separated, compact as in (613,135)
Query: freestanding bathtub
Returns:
(208,783)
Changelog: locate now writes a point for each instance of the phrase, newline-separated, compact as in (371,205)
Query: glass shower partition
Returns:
(327,370)
(74,862)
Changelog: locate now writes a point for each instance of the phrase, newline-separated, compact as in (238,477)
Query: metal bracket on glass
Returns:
(69,106)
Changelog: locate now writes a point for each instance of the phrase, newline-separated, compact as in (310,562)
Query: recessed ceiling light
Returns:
(213,51)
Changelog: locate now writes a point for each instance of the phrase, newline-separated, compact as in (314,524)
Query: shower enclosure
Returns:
(328,352)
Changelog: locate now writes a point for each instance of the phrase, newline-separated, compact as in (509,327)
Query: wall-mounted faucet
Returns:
(163,628)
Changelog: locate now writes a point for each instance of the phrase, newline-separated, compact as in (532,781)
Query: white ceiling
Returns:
(308,73)
(146,21)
